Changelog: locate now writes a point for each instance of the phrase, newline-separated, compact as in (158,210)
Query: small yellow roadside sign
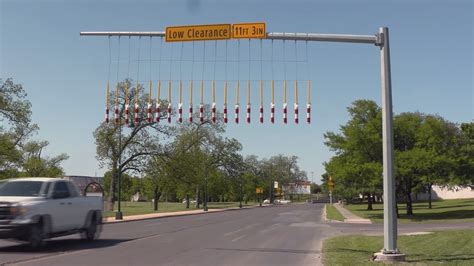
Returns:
(198,33)
(249,30)
(259,190)
(330,184)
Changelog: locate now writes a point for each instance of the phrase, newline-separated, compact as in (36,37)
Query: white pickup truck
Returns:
(35,209)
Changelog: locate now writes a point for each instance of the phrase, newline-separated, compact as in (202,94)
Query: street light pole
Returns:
(205,194)
(390,218)
(118,214)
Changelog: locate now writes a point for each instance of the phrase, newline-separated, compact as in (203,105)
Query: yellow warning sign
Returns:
(330,184)
(249,30)
(198,33)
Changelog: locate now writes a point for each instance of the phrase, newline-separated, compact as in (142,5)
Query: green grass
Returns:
(446,247)
(333,214)
(461,210)
(136,208)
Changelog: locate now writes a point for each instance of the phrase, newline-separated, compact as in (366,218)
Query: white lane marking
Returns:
(238,230)
(233,232)
(238,238)
(274,226)
(153,224)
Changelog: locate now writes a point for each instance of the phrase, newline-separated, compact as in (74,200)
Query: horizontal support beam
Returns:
(123,33)
(322,37)
(270,36)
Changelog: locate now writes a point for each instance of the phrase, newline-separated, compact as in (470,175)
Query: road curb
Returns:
(189,213)
(325,216)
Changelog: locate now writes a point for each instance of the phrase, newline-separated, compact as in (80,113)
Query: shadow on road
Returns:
(63,245)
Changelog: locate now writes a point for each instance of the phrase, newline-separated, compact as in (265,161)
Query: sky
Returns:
(65,74)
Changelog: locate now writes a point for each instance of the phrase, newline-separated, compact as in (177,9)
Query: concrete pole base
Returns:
(389,257)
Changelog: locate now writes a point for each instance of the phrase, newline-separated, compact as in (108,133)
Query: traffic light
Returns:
(330,184)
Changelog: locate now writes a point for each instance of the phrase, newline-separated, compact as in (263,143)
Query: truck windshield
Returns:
(21,189)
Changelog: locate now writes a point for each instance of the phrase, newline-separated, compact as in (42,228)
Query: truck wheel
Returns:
(92,232)
(36,235)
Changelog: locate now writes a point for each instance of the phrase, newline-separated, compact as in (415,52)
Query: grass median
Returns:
(333,214)
(444,247)
(137,208)
(460,210)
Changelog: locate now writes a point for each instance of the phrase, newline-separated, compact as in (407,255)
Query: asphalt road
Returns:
(280,235)
(277,235)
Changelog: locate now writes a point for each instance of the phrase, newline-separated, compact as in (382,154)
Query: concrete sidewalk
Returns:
(130,218)
(349,217)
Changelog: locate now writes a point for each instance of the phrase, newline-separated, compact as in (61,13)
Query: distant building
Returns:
(137,197)
(301,187)
(456,192)
(82,181)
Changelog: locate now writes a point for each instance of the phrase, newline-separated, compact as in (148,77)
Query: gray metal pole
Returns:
(123,33)
(318,37)
(389,216)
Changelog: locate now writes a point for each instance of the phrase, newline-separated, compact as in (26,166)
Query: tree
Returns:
(315,188)
(464,159)
(425,153)
(411,165)
(158,180)
(195,157)
(17,155)
(35,164)
(281,168)
(357,166)
(439,138)
(122,148)
(127,185)
(254,176)
(15,127)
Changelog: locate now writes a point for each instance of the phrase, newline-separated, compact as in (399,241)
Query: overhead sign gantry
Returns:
(257,30)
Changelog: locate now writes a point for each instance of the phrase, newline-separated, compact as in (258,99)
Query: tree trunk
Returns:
(198,197)
(156,198)
(369,202)
(429,195)
(112,189)
(187,201)
(409,202)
